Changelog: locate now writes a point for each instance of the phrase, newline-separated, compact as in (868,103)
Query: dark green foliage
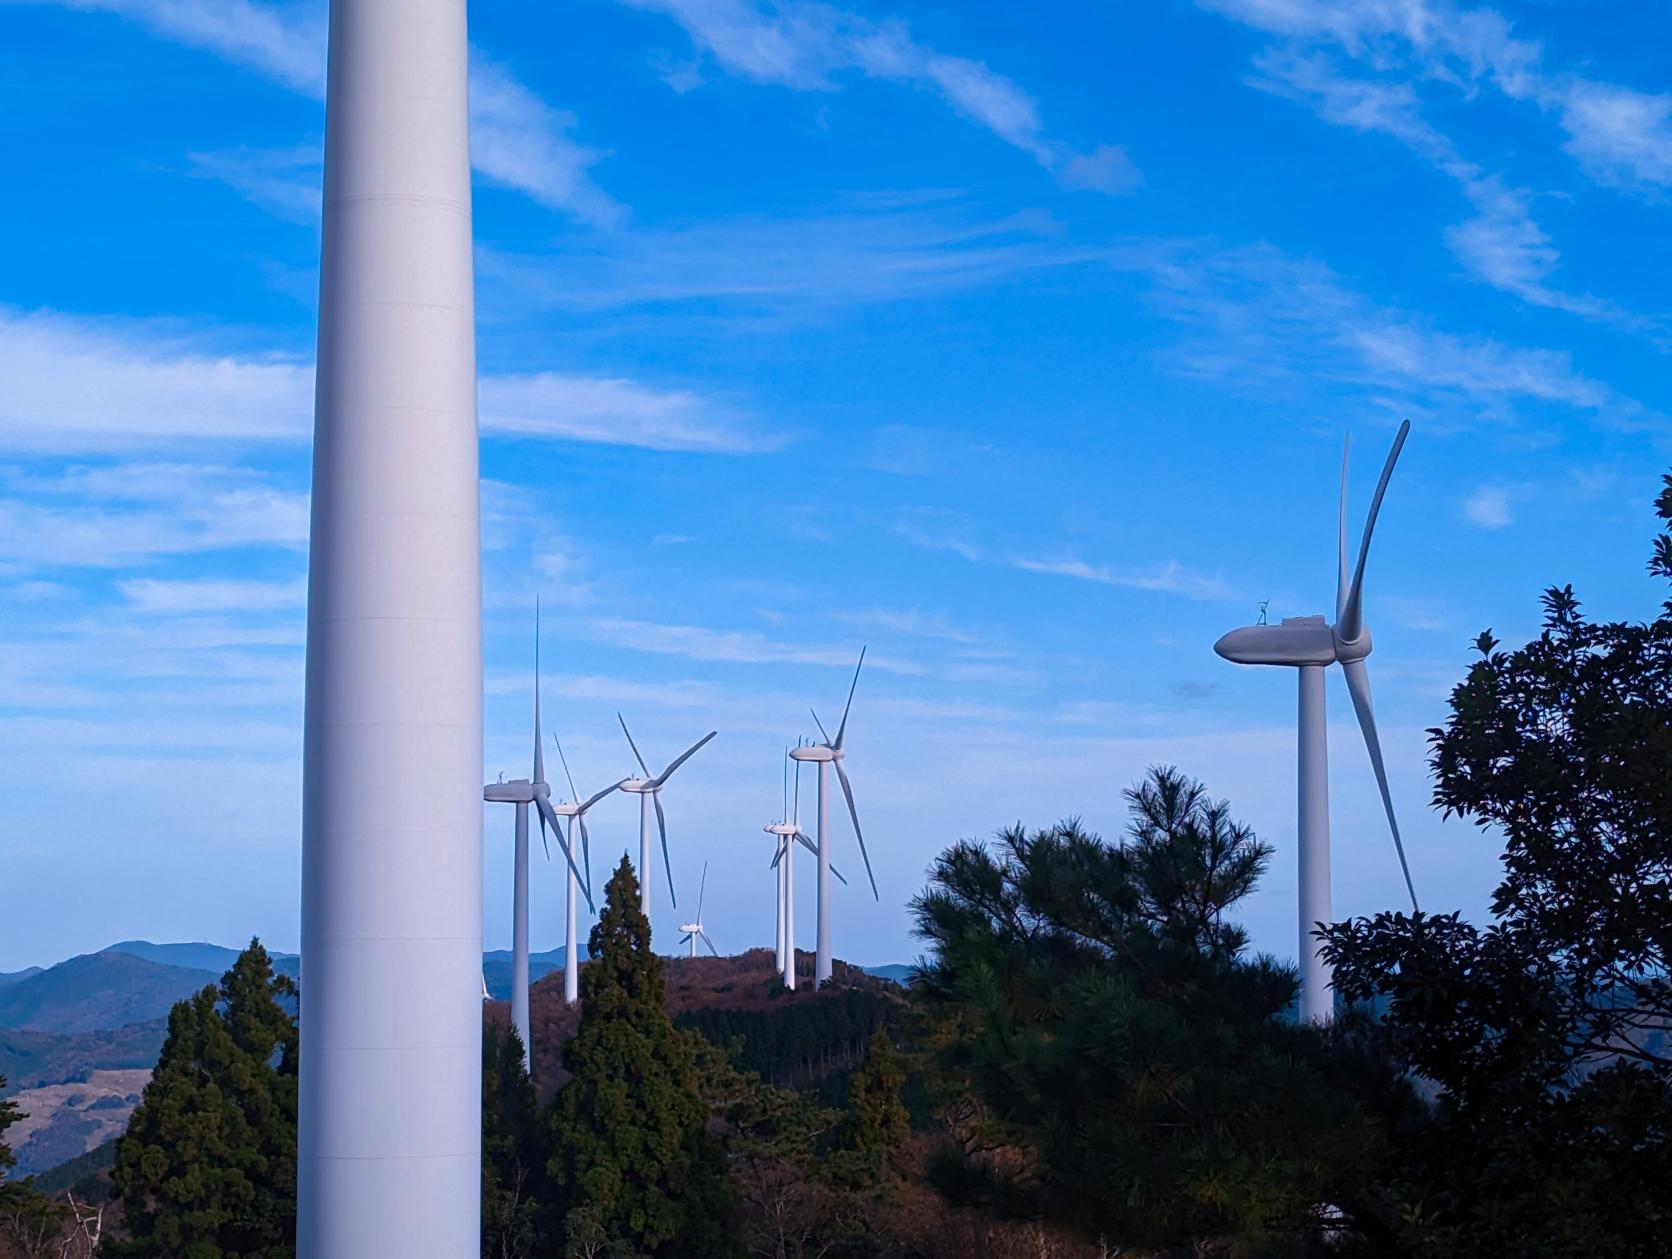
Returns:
(1546,1032)
(1112,1063)
(796,1041)
(30,1059)
(28,1218)
(516,1197)
(876,1124)
(630,1131)
(208,1165)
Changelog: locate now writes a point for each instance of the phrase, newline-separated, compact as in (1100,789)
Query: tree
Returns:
(631,1143)
(516,1206)
(1546,1031)
(208,1165)
(1112,1062)
(30,1222)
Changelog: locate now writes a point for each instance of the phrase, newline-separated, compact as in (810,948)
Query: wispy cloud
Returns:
(942,531)
(283,181)
(1491,506)
(618,412)
(121,515)
(697,642)
(79,386)
(517,140)
(864,252)
(213,596)
(808,45)
(1500,244)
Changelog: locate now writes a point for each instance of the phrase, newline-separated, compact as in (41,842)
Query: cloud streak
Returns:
(78,386)
(808,46)
(518,141)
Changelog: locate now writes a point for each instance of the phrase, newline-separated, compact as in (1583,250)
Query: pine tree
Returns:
(515,1201)
(877,1121)
(633,1156)
(208,1166)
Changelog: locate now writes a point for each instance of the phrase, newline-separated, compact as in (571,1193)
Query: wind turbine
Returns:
(523,792)
(789,834)
(1310,645)
(824,755)
(649,790)
(575,811)
(694,930)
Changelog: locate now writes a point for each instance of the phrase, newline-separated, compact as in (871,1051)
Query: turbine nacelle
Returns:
(816,752)
(517,791)
(1295,641)
(641,786)
(783,830)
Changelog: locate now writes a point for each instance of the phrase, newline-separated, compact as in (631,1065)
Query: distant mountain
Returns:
(201,956)
(98,991)
(12,976)
(65,1121)
(31,1059)
(894,972)
(496,968)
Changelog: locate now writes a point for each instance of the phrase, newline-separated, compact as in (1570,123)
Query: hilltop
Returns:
(697,988)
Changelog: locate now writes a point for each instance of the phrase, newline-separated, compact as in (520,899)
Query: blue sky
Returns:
(1017,342)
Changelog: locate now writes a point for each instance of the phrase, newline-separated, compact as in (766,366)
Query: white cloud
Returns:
(76,385)
(880,249)
(1490,506)
(807,45)
(117,516)
(517,140)
(1621,136)
(1169,578)
(284,181)
(615,411)
(213,595)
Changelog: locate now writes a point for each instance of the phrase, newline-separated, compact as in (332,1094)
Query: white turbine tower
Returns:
(524,792)
(789,833)
(694,930)
(392,745)
(824,755)
(575,811)
(649,791)
(1310,645)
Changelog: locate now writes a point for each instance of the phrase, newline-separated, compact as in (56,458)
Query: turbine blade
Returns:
(820,725)
(539,757)
(633,745)
(847,790)
(1358,686)
(662,825)
(684,756)
(1341,578)
(573,794)
(1350,624)
(702,890)
(543,842)
(615,786)
(547,814)
(586,850)
(710,944)
(786,816)
(777,855)
(807,843)
(842,728)
(796,816)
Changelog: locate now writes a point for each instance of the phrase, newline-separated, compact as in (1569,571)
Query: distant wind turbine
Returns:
(826,754)
(574,810)
(523,792)
(694,930)
(1310,645)
(649,791)
(789,833)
